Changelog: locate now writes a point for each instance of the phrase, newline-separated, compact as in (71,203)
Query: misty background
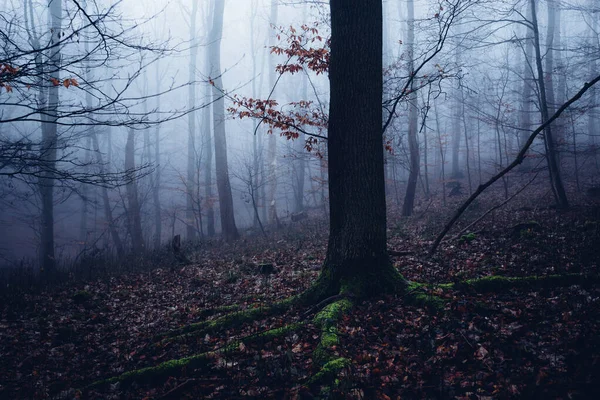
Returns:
(137,93)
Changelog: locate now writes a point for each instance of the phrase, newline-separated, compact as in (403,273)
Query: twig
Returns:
(497,206)
(518,160)
(174,393)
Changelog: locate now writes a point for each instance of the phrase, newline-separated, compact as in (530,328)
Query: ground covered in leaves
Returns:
(516,343)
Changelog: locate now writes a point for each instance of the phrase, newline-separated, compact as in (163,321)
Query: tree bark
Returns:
(156,183)
(272,143)
(228,227)
(413,143)
(49,143)
(190,187)
(553,166)
(528,79)
(133,211)
(357,261)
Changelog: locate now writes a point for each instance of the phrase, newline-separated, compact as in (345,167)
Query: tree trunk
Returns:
(208,158)
(190,187)
(456,133)
(528,79)
(156,183)
(228,227)
(49,143)
(413,143)
(133,211)
(553,167)
(272,145)
(594,48)
(357,259)
(114,233)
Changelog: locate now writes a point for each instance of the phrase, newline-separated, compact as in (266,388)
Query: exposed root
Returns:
(175,367)
(327,320)
(329,372)
(227,321)
(503,283)
(415,295)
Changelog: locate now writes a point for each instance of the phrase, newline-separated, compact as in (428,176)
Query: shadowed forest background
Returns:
(299,199)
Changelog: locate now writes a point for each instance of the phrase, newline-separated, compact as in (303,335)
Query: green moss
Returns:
(328,374)
(226,321)
(83,296)
(468,238)
(425,300)
(327,320)
(416,296)
(174,367)
(503,283)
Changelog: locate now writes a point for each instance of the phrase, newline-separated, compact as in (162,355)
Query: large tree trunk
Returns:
(228,227)
(190,209)
(413,142)
(551,155)
(357,259)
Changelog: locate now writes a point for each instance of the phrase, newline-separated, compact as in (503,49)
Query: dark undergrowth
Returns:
(539,342)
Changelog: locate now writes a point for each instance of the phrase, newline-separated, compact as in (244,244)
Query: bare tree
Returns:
(228,226)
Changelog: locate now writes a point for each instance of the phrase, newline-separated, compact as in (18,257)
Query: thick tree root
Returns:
(327,320)
(498,284)
(330,365)
(329,373)
(416,296)
(227,321)
(175,367)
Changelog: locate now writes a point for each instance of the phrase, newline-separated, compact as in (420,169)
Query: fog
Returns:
(141,76)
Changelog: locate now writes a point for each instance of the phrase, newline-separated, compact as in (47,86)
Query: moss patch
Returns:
(226,321)
(175,367)
(327,320)
(328,374)
(505,283)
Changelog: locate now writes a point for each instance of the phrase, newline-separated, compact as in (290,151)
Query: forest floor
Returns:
(516,343)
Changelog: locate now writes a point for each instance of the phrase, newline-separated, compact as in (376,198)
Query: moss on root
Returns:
(416,295)
(175,367)
(328,374)
(327,320)
(226,321)
(505,283)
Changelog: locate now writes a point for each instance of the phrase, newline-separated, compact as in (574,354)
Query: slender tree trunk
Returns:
(456,134)
(208,158)
(272,146)
(228,227)
(112,228)
(190,209)
(156,183)
(442,154)
(555,178)
(467,146)
(526,100)
(49,143)
(133,211)
(413,142)
(592,115)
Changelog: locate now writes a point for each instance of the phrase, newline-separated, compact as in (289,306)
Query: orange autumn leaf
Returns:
(67,83)
(55,81)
